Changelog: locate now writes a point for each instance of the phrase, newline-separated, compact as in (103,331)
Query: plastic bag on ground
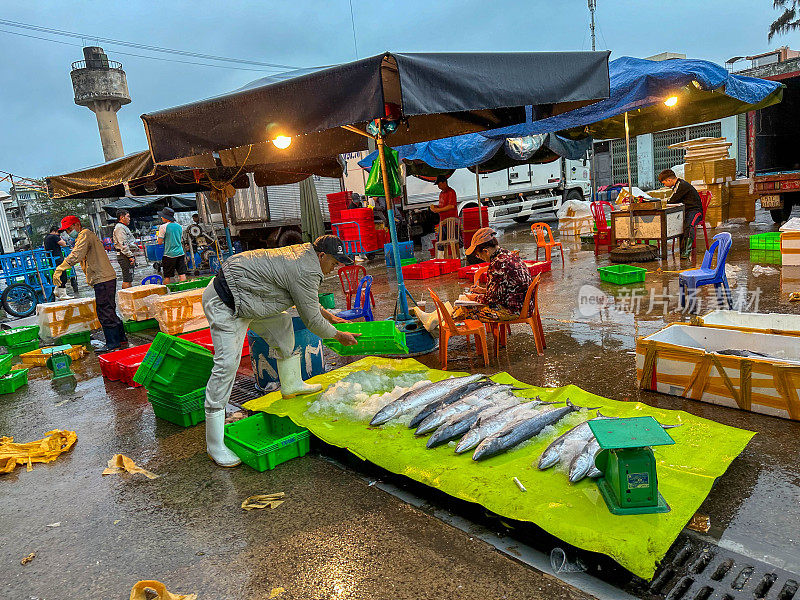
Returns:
(758,270)
(574,208)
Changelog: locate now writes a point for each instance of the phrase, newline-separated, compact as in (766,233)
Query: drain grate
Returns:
(244,390)
(696,569)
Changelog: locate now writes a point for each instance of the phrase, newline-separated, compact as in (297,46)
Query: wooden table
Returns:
(660,224)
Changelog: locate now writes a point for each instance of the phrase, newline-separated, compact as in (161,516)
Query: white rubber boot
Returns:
(215,440)
(60,293)
(292,383)
(430,321)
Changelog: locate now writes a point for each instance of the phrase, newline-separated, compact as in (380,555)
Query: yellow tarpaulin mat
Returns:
(575,513)
(45,450)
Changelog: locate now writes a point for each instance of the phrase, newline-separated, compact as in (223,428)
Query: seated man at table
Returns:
(683,192)
(507,281)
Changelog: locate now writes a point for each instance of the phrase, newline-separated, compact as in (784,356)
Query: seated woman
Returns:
(507,282)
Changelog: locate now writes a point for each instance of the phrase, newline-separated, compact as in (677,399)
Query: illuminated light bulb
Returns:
(671,101)
(282,142)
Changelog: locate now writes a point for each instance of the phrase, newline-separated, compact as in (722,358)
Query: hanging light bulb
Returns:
(282,142)
(671,101)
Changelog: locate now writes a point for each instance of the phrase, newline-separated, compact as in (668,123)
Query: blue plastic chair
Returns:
(361,308)
(154,279)
(692,279)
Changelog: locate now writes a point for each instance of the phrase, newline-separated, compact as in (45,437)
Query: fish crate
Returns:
(80,338)
(790,248)
(696,362)
(38,357)
(18,335)
(537,267)
(14,380)
(263,441)
(406,252)
(136,303)
(180,312)
(185,416)
(778,323)
(771,240)
(111,362)
(327,301)
(446,265)
(189,284)
(621,274)
(422,270)
(192,400)
(203,338)
(67,316)
(134,326)
(174,366)
(5,363)
(23,347)
(468,272)
(377,337)
(770,257)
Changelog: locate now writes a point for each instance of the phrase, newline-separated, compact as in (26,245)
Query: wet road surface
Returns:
(335,536)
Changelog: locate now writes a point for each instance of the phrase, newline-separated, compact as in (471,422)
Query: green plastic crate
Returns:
(771,257)
(80,338)
(771,240)
(174,366)
(19,335)
(327,300)
(621,274)
(407,261)
(134,326)
(189,284)
(194,400)
(23,347)
(13,381)
(377,337)
(180,415)
(264,441)
(5,363)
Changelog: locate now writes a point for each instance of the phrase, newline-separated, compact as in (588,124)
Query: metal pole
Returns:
(403,315)
(478,187)
(630,183)
(592,7)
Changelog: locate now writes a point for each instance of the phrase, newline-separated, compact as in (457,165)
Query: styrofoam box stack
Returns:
(132,301)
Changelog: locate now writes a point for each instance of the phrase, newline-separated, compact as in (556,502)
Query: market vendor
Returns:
(55,245)
(253,290)
(507,281)
(447,206)
(100,275)
(169,234)
(684,193)
(126,247)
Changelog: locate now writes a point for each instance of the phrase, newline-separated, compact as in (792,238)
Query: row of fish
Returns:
(485,415)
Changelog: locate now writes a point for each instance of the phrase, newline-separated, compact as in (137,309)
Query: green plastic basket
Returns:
(621,274)
(23,347)
(407,261)
(327,300)
(193,400)
(190,284)
(134,326)
(180,415)
(5,363)
(80,338)
(19,335)
(771,240)
(264,441)
(377,337)
(771,257)
(13,381)
(174,366)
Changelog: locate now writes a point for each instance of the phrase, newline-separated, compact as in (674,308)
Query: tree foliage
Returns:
(789,19)
(49,212)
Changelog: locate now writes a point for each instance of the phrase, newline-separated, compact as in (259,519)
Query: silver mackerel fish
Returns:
(492,422)
(420,396)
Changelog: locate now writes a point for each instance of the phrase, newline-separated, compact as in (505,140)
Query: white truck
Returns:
(517,193)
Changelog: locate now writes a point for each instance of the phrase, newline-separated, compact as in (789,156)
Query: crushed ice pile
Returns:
(361,394)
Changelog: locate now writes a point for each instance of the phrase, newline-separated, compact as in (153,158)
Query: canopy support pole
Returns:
(478,187)
(630,183)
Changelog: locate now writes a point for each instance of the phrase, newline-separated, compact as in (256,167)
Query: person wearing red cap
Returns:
(100,275)
(507,281)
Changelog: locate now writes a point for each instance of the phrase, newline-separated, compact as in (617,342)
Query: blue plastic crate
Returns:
(406,251)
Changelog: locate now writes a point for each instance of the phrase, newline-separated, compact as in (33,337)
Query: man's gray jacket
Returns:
(264,283)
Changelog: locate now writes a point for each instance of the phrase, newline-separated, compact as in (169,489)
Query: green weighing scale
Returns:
(630,483)
(59,364)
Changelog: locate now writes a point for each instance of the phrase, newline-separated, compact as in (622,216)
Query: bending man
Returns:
(253,290)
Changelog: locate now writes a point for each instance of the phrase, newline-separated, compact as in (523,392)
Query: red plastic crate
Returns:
(203,338)
(469,271)
(537,267)
(345,197)
(423,270)
(360,215)
(109,367)
(113,364)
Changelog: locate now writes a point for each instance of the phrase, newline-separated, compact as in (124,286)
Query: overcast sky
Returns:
(45,133)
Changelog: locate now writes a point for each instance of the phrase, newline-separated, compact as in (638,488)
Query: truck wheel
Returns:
(574,195)
(522,219)
(779,215)
(290,237)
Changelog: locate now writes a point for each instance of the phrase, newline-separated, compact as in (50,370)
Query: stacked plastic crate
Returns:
(337,203)
(358,226)
(11,381)
(471,221)
(175,373)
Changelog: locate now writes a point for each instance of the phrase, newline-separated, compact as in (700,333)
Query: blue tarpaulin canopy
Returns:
(705,91)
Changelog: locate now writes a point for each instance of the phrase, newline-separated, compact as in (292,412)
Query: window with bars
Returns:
(664,158)
(619,164)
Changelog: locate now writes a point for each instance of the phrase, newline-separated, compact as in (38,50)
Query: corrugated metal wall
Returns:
(619,162)
(284,200)
(664,158)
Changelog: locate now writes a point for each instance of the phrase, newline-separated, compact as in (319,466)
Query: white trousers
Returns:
(228,333)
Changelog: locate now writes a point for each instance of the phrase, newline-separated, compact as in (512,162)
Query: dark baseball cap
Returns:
(330,244)
(167,213)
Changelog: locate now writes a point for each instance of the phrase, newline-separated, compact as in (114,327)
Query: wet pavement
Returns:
(336,536)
